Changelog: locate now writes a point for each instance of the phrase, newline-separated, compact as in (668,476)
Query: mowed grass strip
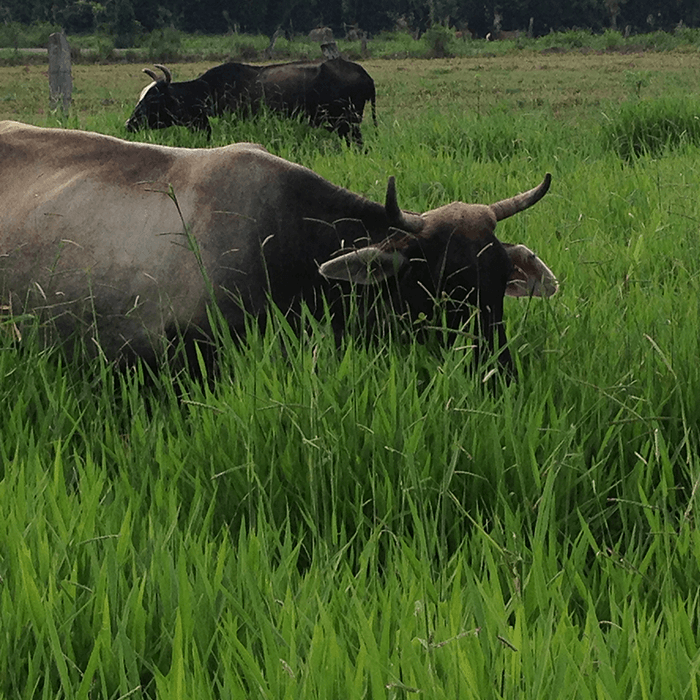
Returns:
(373,519)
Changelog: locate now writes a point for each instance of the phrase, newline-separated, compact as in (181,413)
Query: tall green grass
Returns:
(372,519)
(649,127)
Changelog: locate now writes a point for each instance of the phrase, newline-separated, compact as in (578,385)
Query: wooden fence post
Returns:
(330,50)
(60,80)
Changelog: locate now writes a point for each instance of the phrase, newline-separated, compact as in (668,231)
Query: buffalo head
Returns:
(163,103)
(452,254)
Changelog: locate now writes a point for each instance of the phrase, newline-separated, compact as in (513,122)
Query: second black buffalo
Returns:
(329,93)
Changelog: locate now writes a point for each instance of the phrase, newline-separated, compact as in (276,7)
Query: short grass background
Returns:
(372,521)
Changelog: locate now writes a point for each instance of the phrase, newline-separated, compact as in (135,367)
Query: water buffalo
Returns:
(329,93)
(92,242)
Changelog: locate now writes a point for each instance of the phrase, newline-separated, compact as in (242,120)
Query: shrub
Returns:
(164,44)
(657,41)
(396,45)
(612,39)
(245,50)
(16,35)
(574,39)
(440,40)
(687,35)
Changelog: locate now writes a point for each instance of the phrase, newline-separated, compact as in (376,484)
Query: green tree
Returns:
(123,24)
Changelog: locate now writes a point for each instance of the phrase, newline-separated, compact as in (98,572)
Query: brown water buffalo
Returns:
(93,245)
(329,93)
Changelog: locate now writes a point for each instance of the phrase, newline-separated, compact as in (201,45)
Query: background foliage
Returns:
(125,19)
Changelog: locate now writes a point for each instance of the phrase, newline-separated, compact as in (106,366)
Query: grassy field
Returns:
(373,521)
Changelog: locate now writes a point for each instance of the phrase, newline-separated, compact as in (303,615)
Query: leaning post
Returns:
(60,80)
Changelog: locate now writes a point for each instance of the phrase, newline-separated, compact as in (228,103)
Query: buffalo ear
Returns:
(530,276)
(368,265)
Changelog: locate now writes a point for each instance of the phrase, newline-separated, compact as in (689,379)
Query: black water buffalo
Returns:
(92,242)
(329,93)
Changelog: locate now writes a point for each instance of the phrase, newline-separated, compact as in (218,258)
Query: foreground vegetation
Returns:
(374,520)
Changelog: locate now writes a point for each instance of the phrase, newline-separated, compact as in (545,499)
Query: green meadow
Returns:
(377,520)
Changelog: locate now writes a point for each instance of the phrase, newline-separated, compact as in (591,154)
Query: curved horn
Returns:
(397,218)
(392,205)
(168,75)
(508,207)
(151,74)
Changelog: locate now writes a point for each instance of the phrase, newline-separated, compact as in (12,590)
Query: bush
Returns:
(245,50)
(15,35)
(687,35)
(440,41)
(612,39)
(395,45)
(574,39)
(164,44)
(657,41)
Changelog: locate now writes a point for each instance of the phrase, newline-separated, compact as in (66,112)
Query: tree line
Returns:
(478,17)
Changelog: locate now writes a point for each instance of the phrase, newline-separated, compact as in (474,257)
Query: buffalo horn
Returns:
(151,74)
(168,75)
(513,205)
(397,218)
